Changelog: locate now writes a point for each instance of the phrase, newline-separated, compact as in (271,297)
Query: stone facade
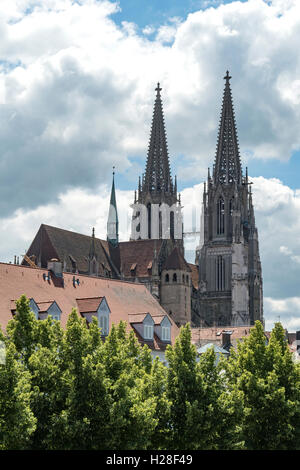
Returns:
(230,276)
(227,287)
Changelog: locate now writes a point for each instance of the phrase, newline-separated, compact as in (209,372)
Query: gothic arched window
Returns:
(220,273)
(172,224)
(174,277)
(167,278)
(149,219)
(220,216)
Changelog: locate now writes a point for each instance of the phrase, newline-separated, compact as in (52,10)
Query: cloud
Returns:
(287,311)
(277,219)
(77,210)
(77,94)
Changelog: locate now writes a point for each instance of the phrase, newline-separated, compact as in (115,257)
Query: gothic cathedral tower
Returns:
(158,207)
(230,276)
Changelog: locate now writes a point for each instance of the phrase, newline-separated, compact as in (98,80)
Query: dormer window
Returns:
(95,307)
(165,333)
(148,331)
(104,325)
(47,309)
(162,327)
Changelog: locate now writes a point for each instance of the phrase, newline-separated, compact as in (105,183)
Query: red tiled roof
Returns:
(88,305)
(137,317)
(213,333)
(158,319)
(44,306)
(123,298)
(195,275)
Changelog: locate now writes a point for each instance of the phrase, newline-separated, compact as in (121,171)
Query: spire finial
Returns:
(227,76)
(158,88)
(93,234)
(114,171)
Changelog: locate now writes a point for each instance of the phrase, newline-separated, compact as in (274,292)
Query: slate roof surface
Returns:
(53,242)
(176,261)
(123,298)
(139,252)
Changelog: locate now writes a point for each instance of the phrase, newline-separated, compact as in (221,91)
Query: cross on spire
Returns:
(158,89)
(227,76)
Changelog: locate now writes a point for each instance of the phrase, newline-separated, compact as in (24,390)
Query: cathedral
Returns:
(230,276)
(224,286)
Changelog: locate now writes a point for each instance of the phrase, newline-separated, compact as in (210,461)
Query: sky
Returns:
(77,88)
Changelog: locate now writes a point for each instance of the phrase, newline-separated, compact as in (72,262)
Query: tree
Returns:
(22,329)
(204,412)
(17,422)
(269,382)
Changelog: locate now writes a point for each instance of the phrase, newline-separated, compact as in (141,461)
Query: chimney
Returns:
(226,336)
(55,267)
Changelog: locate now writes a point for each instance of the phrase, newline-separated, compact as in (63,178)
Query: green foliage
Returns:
(17,421)
(204,412)
(69,389)
(270,386)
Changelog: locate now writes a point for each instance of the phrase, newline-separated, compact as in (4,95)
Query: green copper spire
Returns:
(113,221)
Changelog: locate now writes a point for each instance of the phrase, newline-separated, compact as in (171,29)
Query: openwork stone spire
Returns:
(227,168)
(157,178)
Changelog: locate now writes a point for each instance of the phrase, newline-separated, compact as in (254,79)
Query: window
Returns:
(220,273)
(167,278)
(104,325)
(149,219)
(148,331)
(174,277)
(220,216)
(172,224)
(165,333)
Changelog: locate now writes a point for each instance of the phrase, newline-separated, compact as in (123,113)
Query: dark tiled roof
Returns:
(69,247)
(141,253)
(176,261)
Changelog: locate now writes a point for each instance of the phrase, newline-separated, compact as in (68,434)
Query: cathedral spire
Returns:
(158,174)
(113,221)
(227,162)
